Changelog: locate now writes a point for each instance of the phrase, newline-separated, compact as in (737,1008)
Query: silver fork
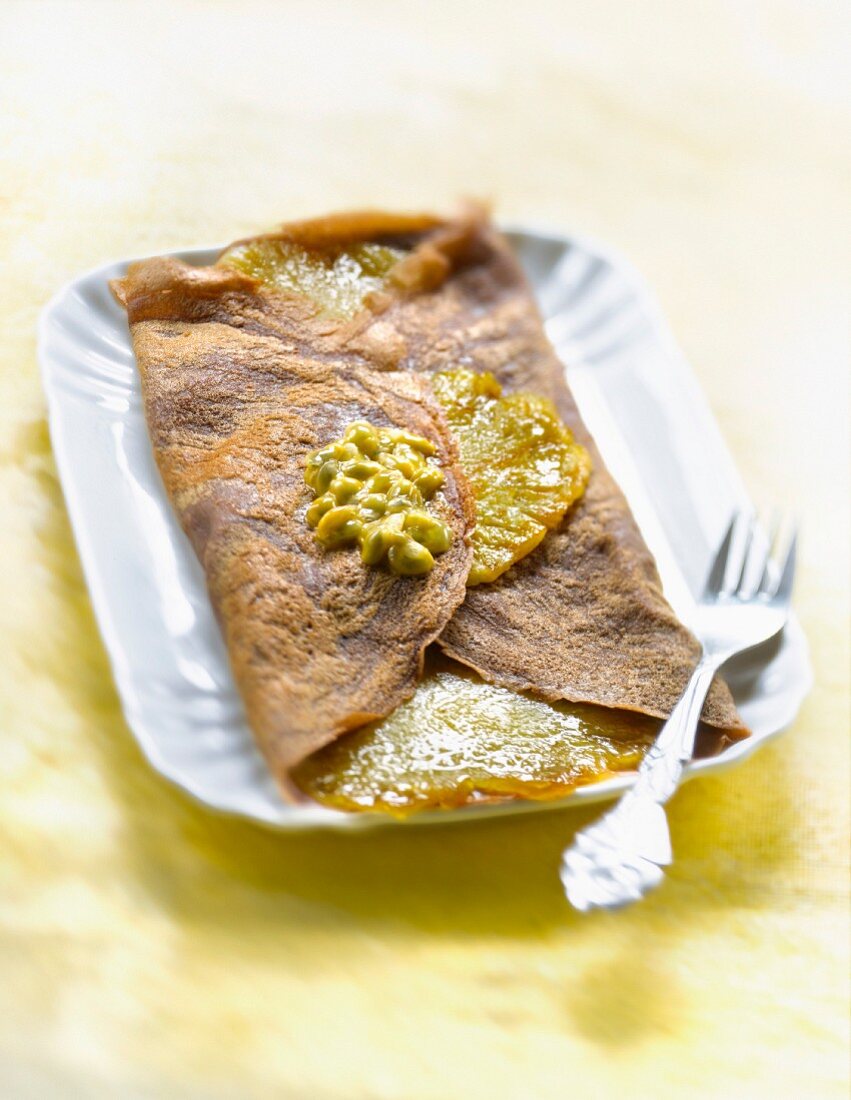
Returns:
(745,602)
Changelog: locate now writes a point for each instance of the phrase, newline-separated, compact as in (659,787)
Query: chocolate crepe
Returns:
(242,381)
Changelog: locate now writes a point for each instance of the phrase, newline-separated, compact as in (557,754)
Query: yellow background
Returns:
(149,949)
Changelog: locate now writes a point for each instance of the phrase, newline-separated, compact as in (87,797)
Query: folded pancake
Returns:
(250,366)
(240,386)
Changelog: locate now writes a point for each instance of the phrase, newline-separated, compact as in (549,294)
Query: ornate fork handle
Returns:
(621,856)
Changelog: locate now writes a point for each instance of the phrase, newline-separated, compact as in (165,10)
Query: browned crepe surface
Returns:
(239,386)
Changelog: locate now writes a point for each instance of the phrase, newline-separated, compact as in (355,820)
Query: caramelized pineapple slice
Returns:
(523,465)
(460,740)
(338,280)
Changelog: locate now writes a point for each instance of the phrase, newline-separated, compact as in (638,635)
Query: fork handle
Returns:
(660,771)
(620,857)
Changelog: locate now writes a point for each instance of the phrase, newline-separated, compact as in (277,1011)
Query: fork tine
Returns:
(747,552)
(764,586)
(783,592)
(715,580)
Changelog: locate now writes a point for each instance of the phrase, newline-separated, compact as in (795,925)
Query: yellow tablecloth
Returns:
(150,949)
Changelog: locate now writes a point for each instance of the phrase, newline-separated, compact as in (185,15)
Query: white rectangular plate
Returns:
(635,391)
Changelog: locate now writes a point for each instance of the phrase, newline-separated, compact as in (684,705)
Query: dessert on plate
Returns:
(431,589)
